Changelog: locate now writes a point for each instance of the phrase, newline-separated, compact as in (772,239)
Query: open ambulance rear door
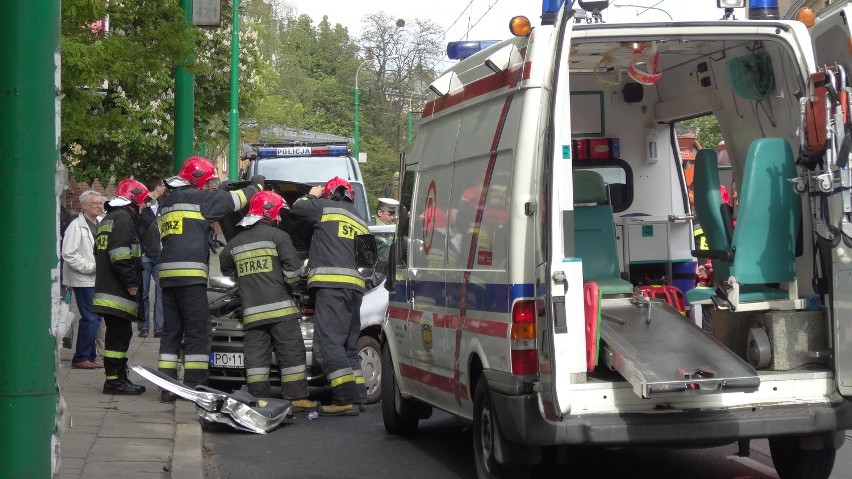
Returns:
(832,42)
(565,355)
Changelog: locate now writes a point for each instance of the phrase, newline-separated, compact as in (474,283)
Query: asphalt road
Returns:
(358,447)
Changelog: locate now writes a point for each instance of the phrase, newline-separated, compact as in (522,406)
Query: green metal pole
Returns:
(233,130)
(410,126)
(184,102)
(357,125)
(28,145)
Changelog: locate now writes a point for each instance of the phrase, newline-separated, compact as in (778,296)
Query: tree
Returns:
(117,116)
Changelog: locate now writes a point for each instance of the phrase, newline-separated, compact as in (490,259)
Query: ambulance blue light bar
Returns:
(462,50)
(551,6)
(334,150)
(763,10)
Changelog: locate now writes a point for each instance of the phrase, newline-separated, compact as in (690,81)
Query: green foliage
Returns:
(117,113)
(709,133)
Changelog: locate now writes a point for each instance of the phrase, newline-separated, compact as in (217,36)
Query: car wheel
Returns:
(486,435)
(791,461)
(371,366)
(392,401)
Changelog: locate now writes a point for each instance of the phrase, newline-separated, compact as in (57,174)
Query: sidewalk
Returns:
(126,436)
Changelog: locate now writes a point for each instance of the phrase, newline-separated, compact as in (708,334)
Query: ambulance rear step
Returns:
(661,353)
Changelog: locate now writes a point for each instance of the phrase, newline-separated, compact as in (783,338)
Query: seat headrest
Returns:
(589,187)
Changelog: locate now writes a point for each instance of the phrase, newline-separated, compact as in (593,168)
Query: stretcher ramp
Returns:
(664,354)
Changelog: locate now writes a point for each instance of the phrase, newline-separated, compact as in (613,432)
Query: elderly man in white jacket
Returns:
(78,272)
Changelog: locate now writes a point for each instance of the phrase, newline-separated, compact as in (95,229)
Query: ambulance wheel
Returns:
(791,461)
(487,437)
(393,404)
(370,354)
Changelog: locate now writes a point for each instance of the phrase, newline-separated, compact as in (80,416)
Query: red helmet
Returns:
(265,205)
(132,190)
(334,184)
(196,170)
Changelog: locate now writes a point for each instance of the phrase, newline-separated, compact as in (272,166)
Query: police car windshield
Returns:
(310,169)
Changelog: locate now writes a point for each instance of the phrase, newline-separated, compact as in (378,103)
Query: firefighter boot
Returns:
(339,410)
(304,405)
(168,397)
(122,386)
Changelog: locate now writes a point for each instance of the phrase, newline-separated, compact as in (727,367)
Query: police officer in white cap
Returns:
(386,211)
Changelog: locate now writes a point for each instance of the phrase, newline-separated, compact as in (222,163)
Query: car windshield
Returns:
(314,170)
(305,169)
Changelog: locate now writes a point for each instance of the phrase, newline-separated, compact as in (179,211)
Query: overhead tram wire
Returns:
(468,30)
(457,19)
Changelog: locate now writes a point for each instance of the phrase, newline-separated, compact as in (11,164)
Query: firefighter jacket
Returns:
(186,215)
(332,253)
(118,263)
(267,268)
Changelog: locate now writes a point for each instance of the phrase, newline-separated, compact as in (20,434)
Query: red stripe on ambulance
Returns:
(496,81)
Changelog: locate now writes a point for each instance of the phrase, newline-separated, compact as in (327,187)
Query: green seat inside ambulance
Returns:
(708,203)
(594,234)
(764,240)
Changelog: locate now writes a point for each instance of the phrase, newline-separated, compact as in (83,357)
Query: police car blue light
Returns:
(333,150)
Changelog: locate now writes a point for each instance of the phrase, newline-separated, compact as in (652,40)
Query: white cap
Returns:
(388,204)
(249,220)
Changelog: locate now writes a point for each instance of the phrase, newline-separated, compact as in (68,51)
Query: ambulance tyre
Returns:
(393,404)
(487,437)
(791,461)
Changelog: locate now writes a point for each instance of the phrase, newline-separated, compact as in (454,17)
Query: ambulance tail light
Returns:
(523,337)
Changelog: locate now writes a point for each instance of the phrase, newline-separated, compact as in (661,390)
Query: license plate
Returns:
(226,360)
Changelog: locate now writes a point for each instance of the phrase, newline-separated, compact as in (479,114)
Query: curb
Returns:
(187,453)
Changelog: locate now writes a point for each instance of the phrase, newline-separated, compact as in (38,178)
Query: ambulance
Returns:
(544,189)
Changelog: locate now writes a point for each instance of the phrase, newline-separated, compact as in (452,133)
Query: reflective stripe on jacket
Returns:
(332,252)
(118,263)
(186,215)
(265,264)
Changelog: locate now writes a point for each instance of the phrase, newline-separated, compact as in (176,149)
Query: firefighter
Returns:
(118,277)
(267,268)
(339,288)
(185,221)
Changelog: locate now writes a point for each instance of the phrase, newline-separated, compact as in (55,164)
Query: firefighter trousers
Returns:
(336,327)
(116,342)
(285,337)
(187,319)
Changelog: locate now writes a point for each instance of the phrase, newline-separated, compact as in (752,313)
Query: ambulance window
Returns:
(404,220)
(618,177)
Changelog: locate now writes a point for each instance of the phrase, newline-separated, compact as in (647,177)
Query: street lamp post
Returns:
(357,123)
(234,120)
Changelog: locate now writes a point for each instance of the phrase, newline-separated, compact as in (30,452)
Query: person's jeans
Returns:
(87,330)
(151,268)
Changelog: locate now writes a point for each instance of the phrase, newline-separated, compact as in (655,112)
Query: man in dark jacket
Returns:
(118,275)
(185,218)
(267,269)
(151,247)
(339,289)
